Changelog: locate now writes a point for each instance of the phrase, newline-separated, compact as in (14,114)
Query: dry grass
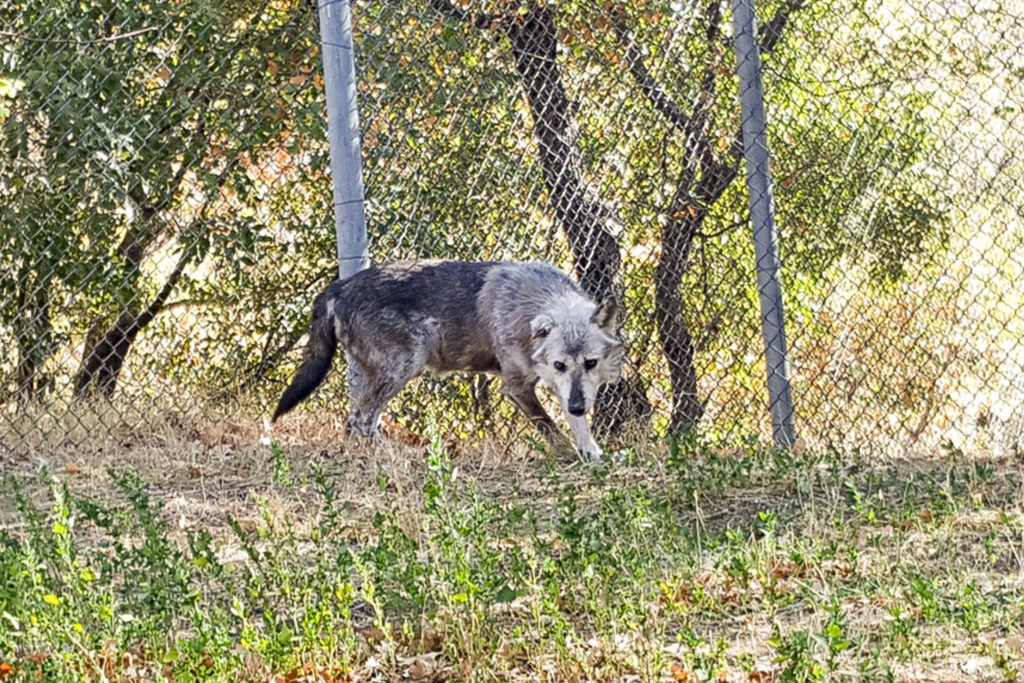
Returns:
(202,467)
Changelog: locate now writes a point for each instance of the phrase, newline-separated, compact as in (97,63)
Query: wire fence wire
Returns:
(166,209)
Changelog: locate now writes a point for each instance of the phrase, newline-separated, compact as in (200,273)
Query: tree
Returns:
(585,220)
(707,164)
(134,133)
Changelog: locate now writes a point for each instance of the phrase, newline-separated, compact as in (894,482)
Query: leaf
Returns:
(505,596)
(422,668)
(681,675)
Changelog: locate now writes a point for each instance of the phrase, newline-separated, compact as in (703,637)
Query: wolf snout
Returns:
(577,409)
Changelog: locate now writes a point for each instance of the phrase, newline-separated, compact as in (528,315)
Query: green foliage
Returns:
(145,140)
(855,186)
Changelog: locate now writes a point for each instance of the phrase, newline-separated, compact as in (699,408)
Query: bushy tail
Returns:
(315,366)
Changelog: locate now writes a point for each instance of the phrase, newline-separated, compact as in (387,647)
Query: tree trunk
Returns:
(595,250)
(106,349)
(673,333)
(105,353)
(689,209)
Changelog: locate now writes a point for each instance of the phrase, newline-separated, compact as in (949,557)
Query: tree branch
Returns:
(699,153)
(771,32)
(481,21)
(709,164)
(22,35)
(658,98)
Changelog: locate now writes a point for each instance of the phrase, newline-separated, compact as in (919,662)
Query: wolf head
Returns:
(575,350)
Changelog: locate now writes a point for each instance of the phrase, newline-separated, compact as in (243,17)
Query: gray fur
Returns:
(527,322)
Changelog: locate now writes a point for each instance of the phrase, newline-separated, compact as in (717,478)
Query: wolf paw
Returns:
(591,452)
(361,427)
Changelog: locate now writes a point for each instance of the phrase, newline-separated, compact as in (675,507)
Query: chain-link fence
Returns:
(165,203)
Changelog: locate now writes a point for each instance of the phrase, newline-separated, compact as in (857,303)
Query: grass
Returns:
(204,554)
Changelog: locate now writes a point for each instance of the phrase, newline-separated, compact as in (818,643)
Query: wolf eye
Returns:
(559,365)
(590,363)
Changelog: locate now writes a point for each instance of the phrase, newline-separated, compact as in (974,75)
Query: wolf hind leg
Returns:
(372,387)
(358,384)
(525,398)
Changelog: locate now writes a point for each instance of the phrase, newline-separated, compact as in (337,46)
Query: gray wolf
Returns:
(527,322)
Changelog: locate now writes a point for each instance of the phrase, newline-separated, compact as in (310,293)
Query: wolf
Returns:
(526,322)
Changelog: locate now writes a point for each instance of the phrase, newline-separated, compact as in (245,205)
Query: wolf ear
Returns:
(541,326)
(607,315)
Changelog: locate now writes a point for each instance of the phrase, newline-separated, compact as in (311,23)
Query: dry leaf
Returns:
(421,669)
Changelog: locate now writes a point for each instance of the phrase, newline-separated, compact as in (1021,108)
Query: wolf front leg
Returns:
(525,398)
(585,442)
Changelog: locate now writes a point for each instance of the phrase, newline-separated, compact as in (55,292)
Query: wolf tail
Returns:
(319,353)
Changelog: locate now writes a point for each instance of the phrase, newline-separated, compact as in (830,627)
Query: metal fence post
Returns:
(338,54)
(762,216)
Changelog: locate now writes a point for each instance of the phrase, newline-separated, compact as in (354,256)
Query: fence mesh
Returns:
(165,203)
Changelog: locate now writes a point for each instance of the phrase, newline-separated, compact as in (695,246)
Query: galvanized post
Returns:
(762,216)
(338,53)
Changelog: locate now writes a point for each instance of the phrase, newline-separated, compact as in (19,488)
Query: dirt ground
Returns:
(201,468)
(204,468)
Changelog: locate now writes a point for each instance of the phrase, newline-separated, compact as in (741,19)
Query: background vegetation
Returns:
(166,211)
